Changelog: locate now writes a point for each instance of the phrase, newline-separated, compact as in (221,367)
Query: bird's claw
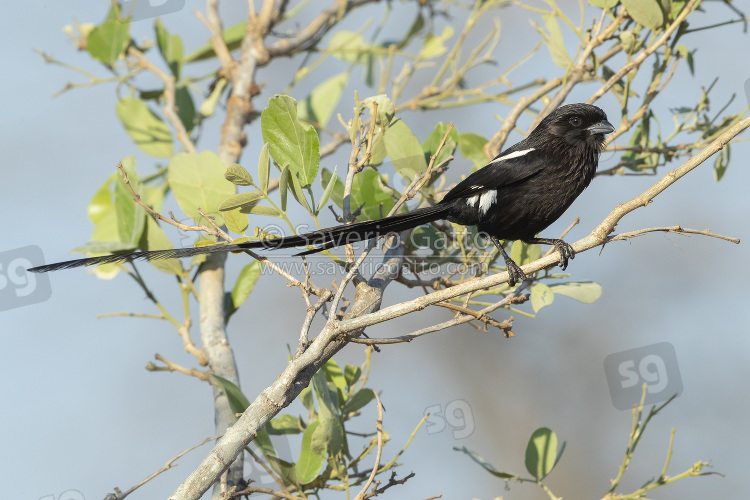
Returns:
(515,273)
(566,252)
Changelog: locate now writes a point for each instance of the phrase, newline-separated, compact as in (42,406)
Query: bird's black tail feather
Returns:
(320,240)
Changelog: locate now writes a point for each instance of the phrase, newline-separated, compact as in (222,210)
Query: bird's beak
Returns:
(603,127)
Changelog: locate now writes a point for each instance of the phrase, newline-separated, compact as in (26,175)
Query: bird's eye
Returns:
(576,121)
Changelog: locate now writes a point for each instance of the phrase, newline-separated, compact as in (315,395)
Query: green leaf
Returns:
(553,40)
(236,221)
(291,141)
(337,193)
(197,181)
(264,166)
(245,283)
(433,140)
(541,295)
(237,175)
(326,398)
(284,186)
(645,12)
(260,210)
(386,110)
(208,106)
(352,374)
(309,463)
(328,189)
(404,149)
(101,204)
(297,192)
(154,238)
(522,254)
(170,47)
(359,400)
(349,46)
(131,217)
(185,107)
(604,4)
(148,131)
(541,453)
(240,200)
(688,55)
(284,424)
(367,190)
(582,291)
(322,101)
(471,145)
(232,36)
(334,374)
(109,40)
(434,45)
(237,401)
(329,436)
(722,162)
(103,247)
(486,465)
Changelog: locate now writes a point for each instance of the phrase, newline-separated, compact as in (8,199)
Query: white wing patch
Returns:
(486,200)
(472,200)
(515,154)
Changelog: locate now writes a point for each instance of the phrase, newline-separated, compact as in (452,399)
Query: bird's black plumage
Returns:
(515,196)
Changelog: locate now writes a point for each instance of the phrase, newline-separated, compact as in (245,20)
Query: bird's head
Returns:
(576,124)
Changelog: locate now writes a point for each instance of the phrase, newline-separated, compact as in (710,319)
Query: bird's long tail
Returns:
(320,240)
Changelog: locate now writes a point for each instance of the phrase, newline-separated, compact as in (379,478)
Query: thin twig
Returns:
(378,454)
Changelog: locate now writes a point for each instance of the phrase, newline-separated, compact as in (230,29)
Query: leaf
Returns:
(264,165)
(645,12)
(284,186)
(309,462)
(103,247)
(284,424)
(237,175)
(359,400)
(326,399)
(237,401)
(328,189)
(297,192)
(349,46)
(386,110)
(582,291)
(352,374)
(291,141)
(334,374)
(485,465)
(245,283)
(153,237)
(433,140)
(434,45)
(553,40)
(170,47)
(109,40)
(329,436)
(722,162)
(541,453)
(367,191)
(232,36)
(404,149)
(236,221)
(541,296)
(604,4)
(322,101)
(145,128)
(522,253)
(185,107)
(131,217)
(208,106)
(101,204)
(260,210)
(471,146)
(197,181)
(240,200)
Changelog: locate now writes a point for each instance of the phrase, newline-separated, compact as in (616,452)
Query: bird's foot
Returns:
(566,252)
(514,272)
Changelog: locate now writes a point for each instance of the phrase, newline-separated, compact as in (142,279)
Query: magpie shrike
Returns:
(515,196)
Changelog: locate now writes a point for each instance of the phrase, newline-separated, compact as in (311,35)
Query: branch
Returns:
(379,428)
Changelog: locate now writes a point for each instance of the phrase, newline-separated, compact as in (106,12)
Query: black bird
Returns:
(515,196)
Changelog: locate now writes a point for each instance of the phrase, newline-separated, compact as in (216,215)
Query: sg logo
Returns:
(17,287)
(655,365)
(457,414)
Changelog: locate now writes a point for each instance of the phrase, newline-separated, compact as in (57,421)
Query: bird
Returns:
(515,196)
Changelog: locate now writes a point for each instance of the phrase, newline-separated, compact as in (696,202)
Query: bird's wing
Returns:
(509,167)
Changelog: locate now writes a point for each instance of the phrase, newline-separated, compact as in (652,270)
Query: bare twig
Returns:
(379,428)
(174,367)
